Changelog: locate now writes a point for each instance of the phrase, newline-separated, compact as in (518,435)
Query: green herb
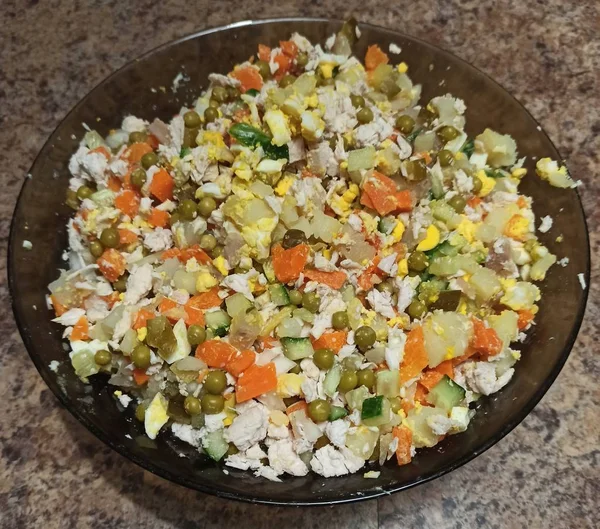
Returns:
(252,92)
(468,148)
(372,407)
(494,173)
(252,137)
(413,135)
(184,152)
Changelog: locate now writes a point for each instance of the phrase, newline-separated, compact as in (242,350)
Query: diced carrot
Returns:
(297,406)
(167,304)
(114,184)
(284,62)
(333,340)
(127,236)
(415,357)
(485,339)
(288,264)
(406,405)
(374,57)
(128,202)
(206,300)
(255,381)
(153,141)
(421,394)
(133,153)
(522,202)
(101,150)
(264,52)
(158,218)
(241,361)
(194,315)
(111,264)
(80,330)
(215,353)
(366,201)
(368,278)
(265,342)
(111,299)
(430,378)
(384,195)
(162,185)
(446,368)
(334,279)
(249,78)
(525,318)
(140,377)
(141,318)
(473,202)
(289,48)
(197,253)
(403,450)
(59,308)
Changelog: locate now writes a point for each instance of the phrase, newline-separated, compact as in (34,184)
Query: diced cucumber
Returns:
(218,322)
(388,383)
(372,407)
(332,380)
(387,224)
(337,412)
(237,304)
(361,158)
(446,394)
(279,295)
(269,271)
(215,445)
(297,348)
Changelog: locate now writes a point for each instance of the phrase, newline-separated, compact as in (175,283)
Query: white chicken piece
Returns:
(222,80)
(124,324)
(70,317)
(278,432)
(267,472)
(241,283)
(481,377)
(250,426)
(176,128)
(296,149)
(394,350)
(373,133)
(251,458)
(336,432)
(187,434)
(302,42)
(119,167)
(381,302)
(406,290)
(133,124)
(329,462)
(322,263)
(139,283)
(462,182)
(388,264)
(89,165)
(321,160)
(158,240)
(313,389)
(282,458)
(96,308)
(214,422)
(340,114)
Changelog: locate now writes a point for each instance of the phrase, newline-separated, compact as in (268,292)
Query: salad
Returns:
(307,269)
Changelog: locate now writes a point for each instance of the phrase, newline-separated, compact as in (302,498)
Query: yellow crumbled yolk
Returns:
(289,385)
(326,69)
(398,231)
(519,173)
(351,194)
(220,263)
(466,228)
(517,227)
(402,267)
(431,240)
(205,281)
(284,185)
(142,332)
(402,67)
(487,183)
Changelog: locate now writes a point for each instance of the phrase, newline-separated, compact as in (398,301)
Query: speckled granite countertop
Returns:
(544,474)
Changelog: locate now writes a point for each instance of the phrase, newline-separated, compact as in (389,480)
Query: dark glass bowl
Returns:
(144,88)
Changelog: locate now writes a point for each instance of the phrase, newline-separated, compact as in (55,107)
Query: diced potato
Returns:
(325,227)
(447,335)
(505,325)
(417,422)
(361,159)
(541,266)
(289,214)
(500,148)
(362,441)
(495,222)
(486,283)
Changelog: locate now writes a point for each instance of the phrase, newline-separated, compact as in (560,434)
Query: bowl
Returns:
(145,87)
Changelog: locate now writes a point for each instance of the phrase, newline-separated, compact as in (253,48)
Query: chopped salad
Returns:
(307,269)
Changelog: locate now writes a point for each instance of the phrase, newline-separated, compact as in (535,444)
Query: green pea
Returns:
(389,86)
(340,320)
(295,297)
(311,301)
(191,405)
(137,137)
(458,203)
(233,93)
(417,261)
(302,59)
(405,124)
(211,114)
(174,218)
(140,412)
(348,381)
(213,103)
(417,170)
(188,209)
(149,159)
(318,410)
(212,404)
(102,357)
(364,337)
(219,93)
(138,177)
(417,309)
(366,377)
(71,199)
(386,286)
(357,101)
(110,237)
(293,238)
(296,370)
(364,115)
(395,404)
(215,382)
(264,69)
(189,137)
(96,249)
(84,192)
(191,119)
(477,185)
(120,285)
(323,358)
(206,206)
(447,133)
(287,80)
(218,251)
(208,242)
(348,143)
(445,157)
(141,356)
(196,334)
(427,115)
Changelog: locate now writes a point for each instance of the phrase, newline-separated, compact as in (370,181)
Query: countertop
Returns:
(53,473)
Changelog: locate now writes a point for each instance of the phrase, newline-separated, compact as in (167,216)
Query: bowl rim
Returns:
(249,498)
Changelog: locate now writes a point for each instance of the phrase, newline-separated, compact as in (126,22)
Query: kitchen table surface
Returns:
(54,473)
